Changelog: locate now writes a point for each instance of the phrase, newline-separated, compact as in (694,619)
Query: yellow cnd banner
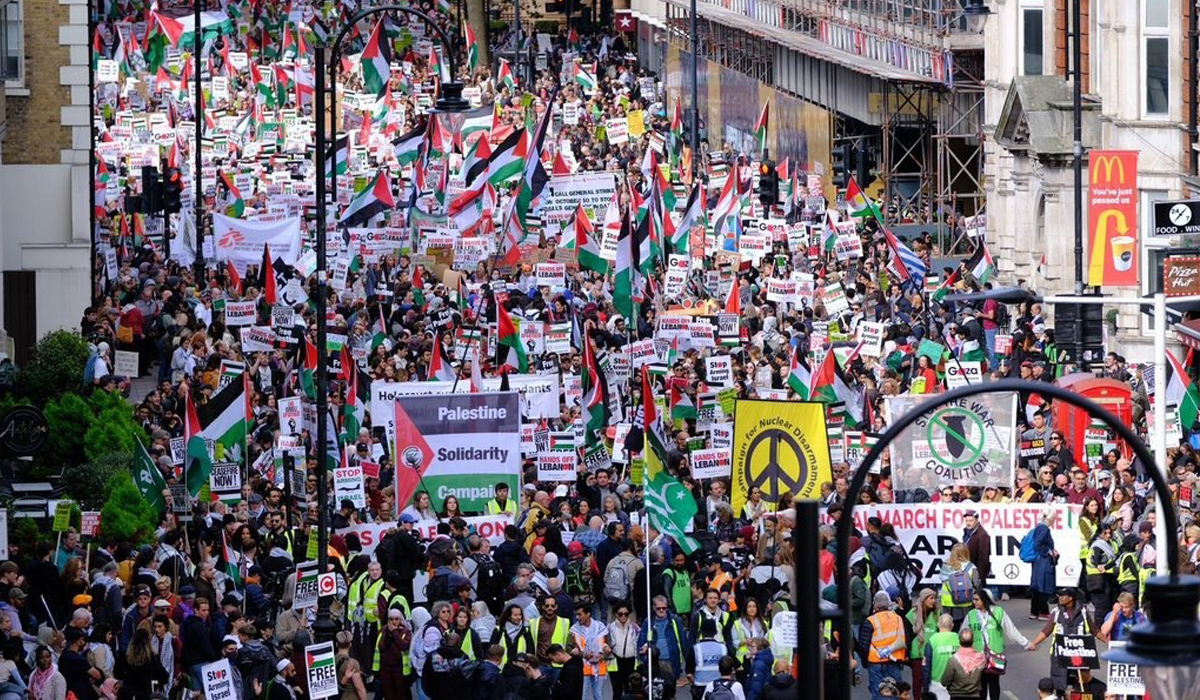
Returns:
(780,447)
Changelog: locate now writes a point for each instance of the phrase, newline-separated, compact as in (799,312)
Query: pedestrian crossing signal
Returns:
(768,184)
(172,190)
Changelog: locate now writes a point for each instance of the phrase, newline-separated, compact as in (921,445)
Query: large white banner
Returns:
(592,189)
(929,530)
(242,241)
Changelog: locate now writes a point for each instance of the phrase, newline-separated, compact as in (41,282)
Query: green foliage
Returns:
(55,368)
(26,534)
(126,516)
(547,26)
(67,417)
(88,483)
(497,26)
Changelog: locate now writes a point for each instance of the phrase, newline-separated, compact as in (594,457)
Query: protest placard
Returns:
(556,465)
(125,363)
(617,131)
(239,313)
(217,679)
(348,485)
(719,370)
(712,463)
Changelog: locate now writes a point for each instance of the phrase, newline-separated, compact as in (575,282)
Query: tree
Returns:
(88,483)
(55,368)
(126,517)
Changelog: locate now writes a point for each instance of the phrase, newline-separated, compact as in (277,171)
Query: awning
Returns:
(805,44)
(1189,333)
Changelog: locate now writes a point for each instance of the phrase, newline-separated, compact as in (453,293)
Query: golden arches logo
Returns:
(1108,163)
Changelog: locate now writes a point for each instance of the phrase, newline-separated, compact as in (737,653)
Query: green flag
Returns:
(148,478)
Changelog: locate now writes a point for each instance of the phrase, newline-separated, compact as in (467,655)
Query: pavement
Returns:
(1025,668)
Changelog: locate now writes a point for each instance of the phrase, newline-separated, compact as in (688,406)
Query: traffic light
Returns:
(172,188)
(841,164)
(768,184)
(151,190)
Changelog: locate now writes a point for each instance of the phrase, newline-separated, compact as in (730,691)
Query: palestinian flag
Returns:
(594,385)
(800,377)
(376,61)
(1181,392)
(980,264)
(358,395)
(407,148)
(339,164)
(197,462)
(476,162)
(440,368)
(148,478)
(265,95)
(682,407)
(504,77)
(307,370)
(586,78)
(587,248)
(235,205)
(509,338)
(161,32)
(669,505)
(694,214)
(233,280)
(437,66)
(733,302)
(760,127)
(858,202)
(472,47)
(223,420)
(230,559)
(623,278)
(373,199)
(508,160)
(830,385)
(379,335)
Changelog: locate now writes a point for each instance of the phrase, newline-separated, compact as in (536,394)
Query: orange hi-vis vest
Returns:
(887,638)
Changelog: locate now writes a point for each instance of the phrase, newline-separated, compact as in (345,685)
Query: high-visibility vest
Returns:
(468,649)
(1145,573)
(407,667)
(680,590)
(560,635)
(1107,557)
(363,596)
(524,644)
(1087,531)
(887,638)
(392,600)
(510,508)
(602,668)
(1128,570)
(720,618)
(741,639)
(720,580)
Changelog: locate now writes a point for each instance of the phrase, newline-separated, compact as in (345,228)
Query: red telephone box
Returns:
(1115,396)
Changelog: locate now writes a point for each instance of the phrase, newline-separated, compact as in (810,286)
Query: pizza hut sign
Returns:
(1181,276)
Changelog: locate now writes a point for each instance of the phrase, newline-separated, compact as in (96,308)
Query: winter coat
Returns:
(760,673)
(781,687)
(1043,578)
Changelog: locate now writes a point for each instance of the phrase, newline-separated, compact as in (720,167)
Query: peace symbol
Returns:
(1011,571)
(773,479)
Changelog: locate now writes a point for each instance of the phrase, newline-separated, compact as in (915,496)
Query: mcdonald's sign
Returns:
(1112,218)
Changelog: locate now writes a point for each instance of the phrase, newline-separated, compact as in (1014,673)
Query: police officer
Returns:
(707,654)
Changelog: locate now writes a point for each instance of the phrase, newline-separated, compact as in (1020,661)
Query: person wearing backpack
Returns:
(960,579)
(726,687)
(1045,558)
(429,640)
(581,577)
(619,577)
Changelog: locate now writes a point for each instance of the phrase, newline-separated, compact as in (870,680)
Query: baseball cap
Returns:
(574,549)
(81,600)
(408,518)
(160,603)
(16,594)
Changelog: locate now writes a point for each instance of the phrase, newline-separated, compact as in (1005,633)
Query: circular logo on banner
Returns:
(327,584)
(1011,571)
(777,463)
(23,431)
(956,437)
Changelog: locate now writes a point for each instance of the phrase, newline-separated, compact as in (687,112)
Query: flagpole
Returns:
(198,117)
(467,349)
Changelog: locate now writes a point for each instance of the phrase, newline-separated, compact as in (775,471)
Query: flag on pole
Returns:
(376,61)
(800,376)
(509,342)
(373,199)
(149,479)
(587,249)
(669,505)
(858,202)
(440,368)
(760,127)
(594,386)
(1182,392)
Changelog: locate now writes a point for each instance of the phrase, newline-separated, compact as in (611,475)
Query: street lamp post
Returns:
(198,118)
(1172,587)
(694,27)
(451,101)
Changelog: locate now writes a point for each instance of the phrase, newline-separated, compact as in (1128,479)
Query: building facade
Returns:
(44,161)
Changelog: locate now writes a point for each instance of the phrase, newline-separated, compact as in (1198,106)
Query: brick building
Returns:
(44,146)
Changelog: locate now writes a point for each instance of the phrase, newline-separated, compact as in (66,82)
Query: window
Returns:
(12,49)
(1032,54)
(1156,52)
